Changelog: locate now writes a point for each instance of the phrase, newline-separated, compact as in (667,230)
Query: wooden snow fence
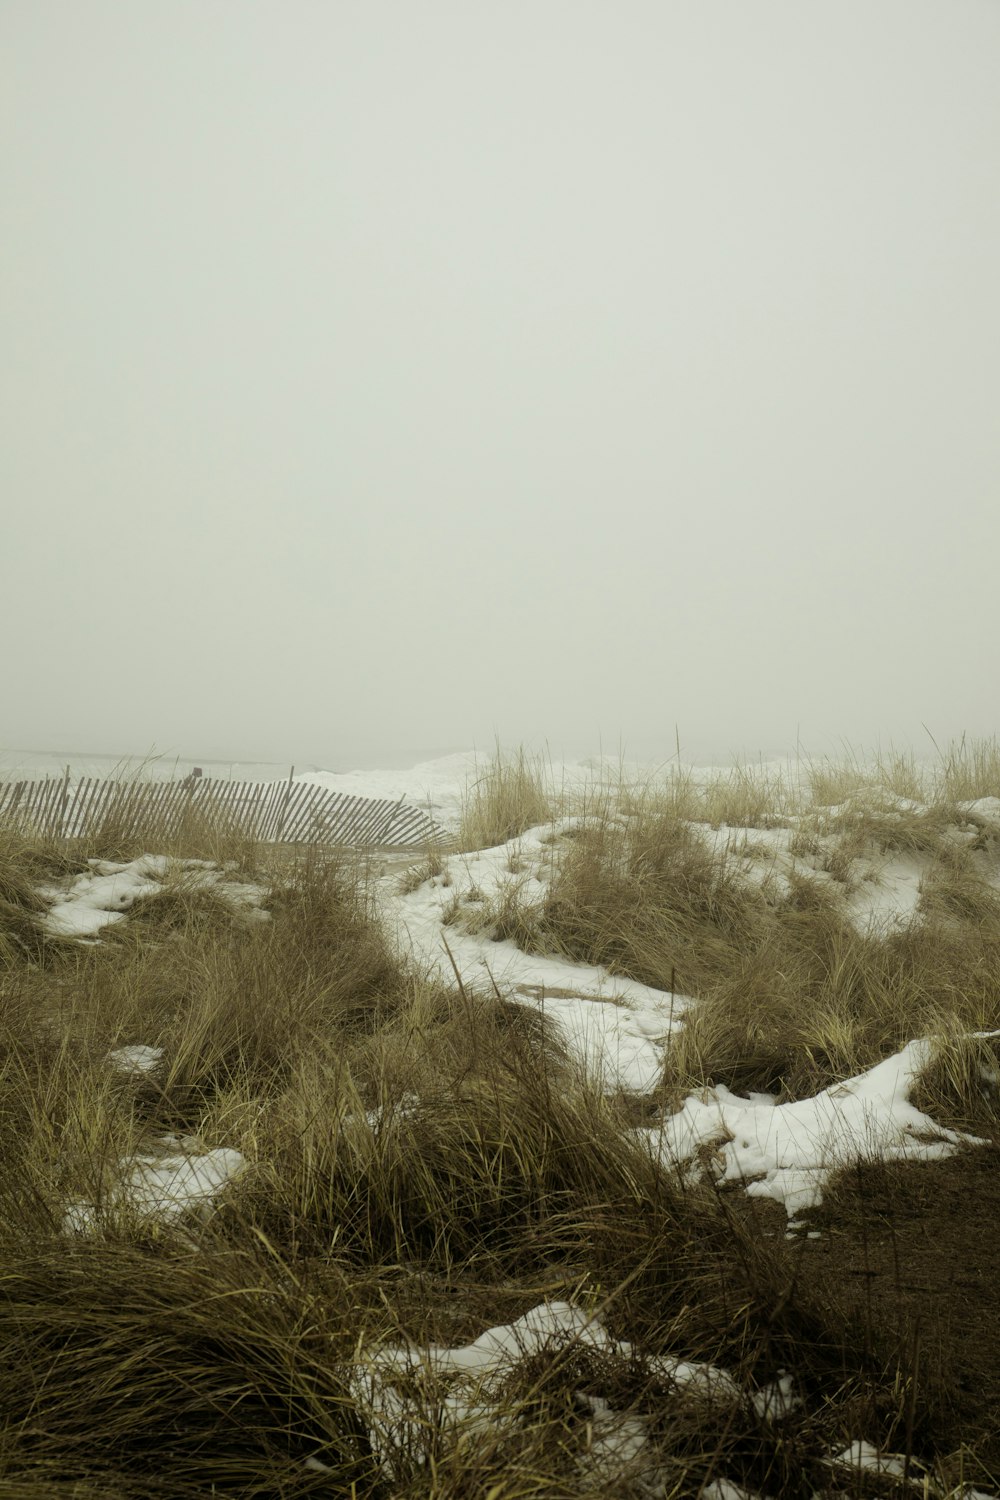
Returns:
(275,812)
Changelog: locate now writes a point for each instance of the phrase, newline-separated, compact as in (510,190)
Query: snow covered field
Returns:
(616,1027)
(473,920)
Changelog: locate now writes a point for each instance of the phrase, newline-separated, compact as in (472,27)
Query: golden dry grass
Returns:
(421,1164)
(506,796)
(792,992)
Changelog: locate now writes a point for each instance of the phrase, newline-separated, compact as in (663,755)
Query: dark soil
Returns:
(910,1254)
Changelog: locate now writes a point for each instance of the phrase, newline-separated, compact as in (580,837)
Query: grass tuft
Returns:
(507,797)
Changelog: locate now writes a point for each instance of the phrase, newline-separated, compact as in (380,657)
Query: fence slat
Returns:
(88,791)
(283,812)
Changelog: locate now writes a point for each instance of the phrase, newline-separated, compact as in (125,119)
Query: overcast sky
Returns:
(385,375)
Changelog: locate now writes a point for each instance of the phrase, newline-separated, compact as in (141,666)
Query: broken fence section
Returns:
(277,812)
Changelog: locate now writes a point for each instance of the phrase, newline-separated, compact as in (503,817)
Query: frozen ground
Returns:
(618,1030)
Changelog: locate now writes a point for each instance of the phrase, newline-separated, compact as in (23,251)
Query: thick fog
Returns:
(380,378)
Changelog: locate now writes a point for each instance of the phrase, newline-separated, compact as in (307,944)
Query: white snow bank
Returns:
(619,1030)
(727,1489)
(789,1151)
(102,895)
(176,1176)
(160,1187)
(987,808)
(777,1399)
(436,786)
(422,1402)
(616,1027)
(440,786)
(136,1060)
(890,900)
(549,1325)
(410,1397)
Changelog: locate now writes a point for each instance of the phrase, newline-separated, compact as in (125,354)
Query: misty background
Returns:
(381,378)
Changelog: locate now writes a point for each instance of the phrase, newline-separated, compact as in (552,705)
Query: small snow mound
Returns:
(788,1152)
(405,1393)
(136,1060)
(726,1489)
(864,1455)
(105,893)
(160,1187)
(776,1399)
(617,1028)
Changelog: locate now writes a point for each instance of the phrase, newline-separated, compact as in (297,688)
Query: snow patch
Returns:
(136,1060)
(160,1187)
(405,1394)
(104,894)
(788,1152)
(617,1028)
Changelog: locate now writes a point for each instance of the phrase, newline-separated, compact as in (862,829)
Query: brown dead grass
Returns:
(423,1164)
(505,798)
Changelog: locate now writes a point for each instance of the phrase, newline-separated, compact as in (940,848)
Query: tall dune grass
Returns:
(792,993)
(422,1164)
(505,797)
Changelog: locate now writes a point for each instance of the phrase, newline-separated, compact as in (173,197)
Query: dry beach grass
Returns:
(422,1163)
